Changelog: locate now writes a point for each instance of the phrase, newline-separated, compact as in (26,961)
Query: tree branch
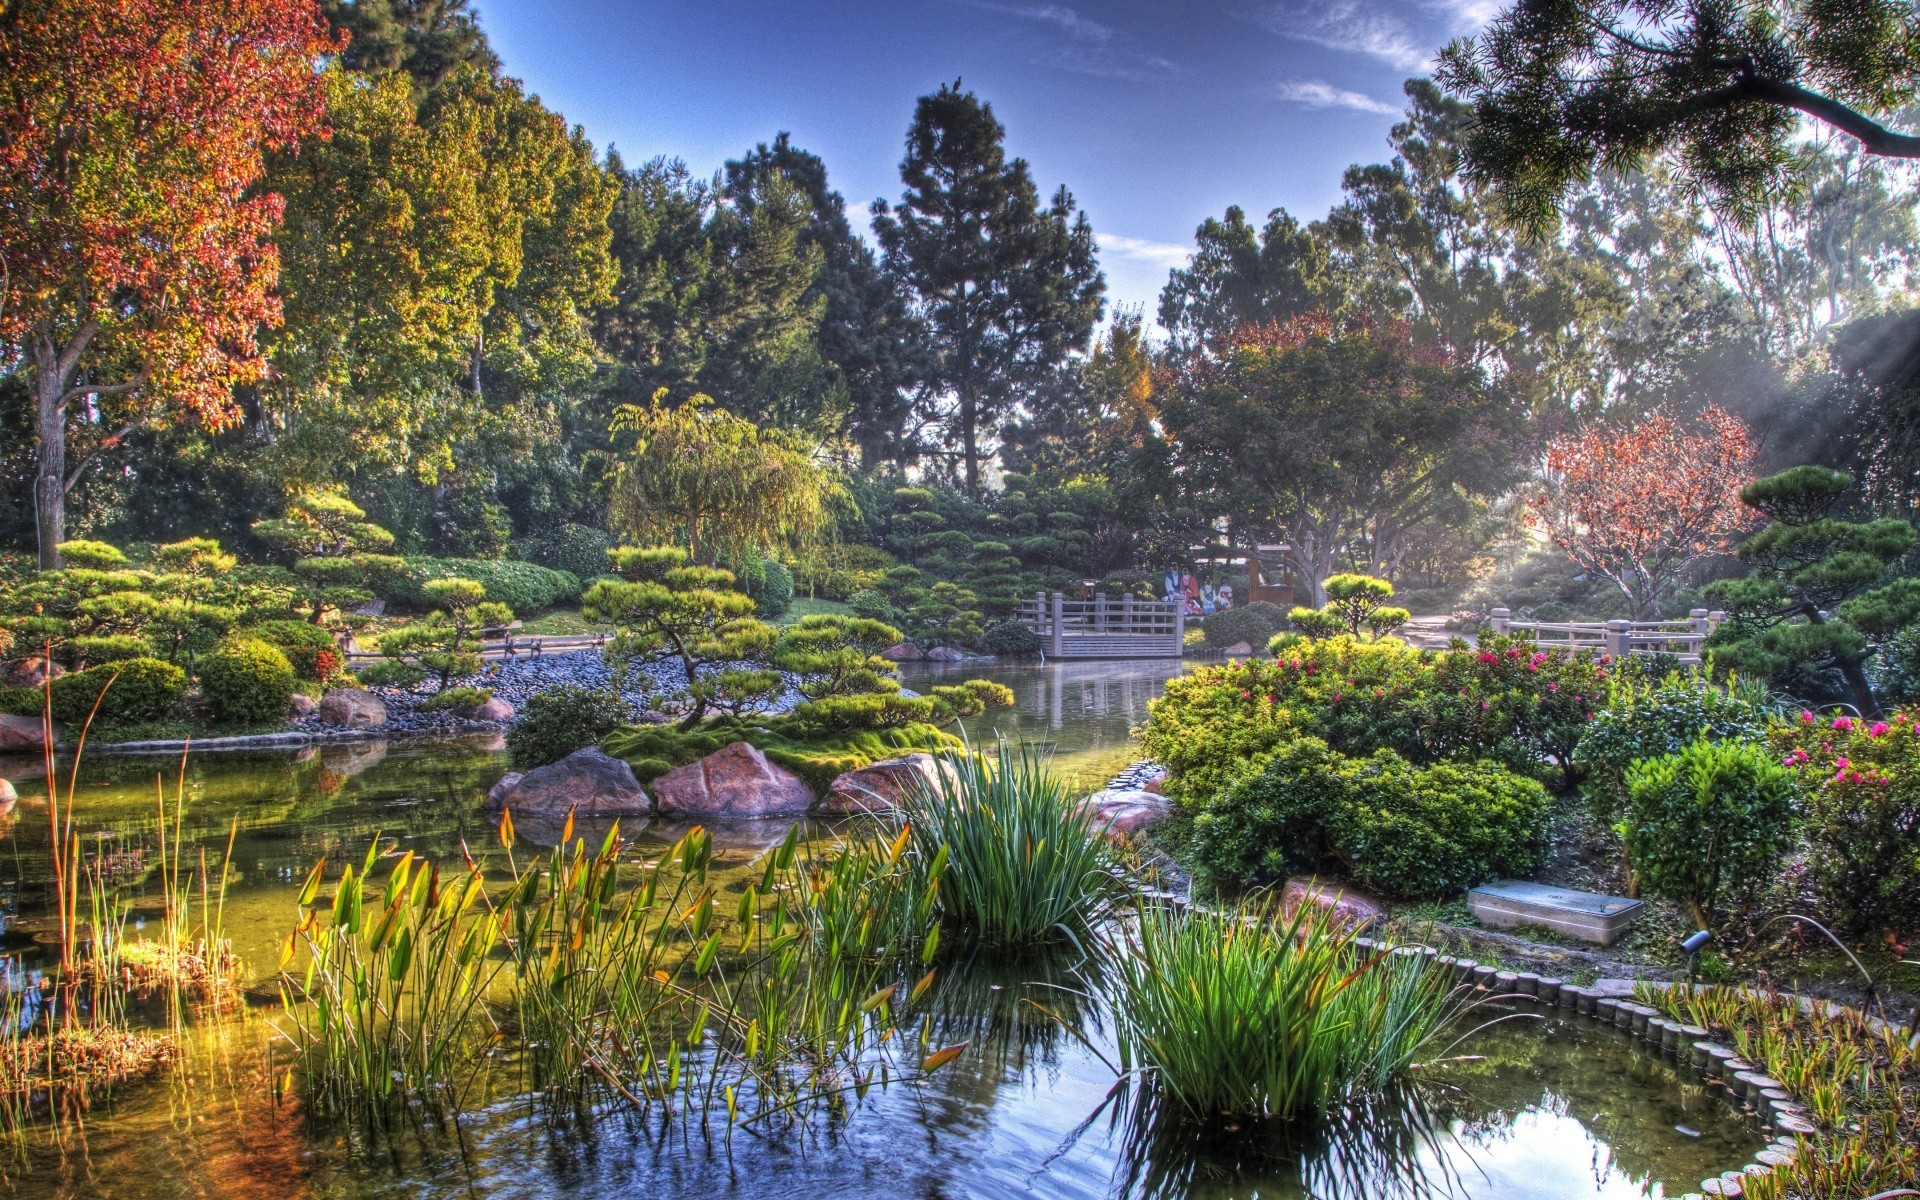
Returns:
(1873,137)
(94,453)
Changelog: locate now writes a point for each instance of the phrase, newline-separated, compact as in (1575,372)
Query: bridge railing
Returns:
(1103,627)
(1684,638)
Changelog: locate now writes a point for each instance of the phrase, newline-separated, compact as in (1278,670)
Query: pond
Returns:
(1533,1109)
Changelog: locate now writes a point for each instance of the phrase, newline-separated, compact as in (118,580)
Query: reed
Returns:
(1239,1013)
(1026,865)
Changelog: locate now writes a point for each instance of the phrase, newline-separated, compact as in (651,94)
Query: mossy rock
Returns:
(653,750)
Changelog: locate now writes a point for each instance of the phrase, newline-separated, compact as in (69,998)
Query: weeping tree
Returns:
(717,483)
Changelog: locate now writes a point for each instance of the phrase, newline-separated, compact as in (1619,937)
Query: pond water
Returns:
(1534,1109)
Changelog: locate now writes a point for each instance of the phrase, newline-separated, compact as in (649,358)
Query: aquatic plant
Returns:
(1243,1013)
(1026,864)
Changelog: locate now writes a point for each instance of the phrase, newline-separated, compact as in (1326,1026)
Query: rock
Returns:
(354,708)
(1156,785)
(21,735)
(372,608)
(7,793)
(33,671)
(884,787)
(589,782)
(1238,650)
(351,758)
(904,652)
(1347,904)
(494,709)
(302,705)
(497,795)
(735,782)
(946,654)
(1121,814)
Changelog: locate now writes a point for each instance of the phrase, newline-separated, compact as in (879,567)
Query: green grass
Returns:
(559,622)
(804,607)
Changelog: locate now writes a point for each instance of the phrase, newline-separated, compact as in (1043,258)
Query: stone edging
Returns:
(1688,1045)
(291,739)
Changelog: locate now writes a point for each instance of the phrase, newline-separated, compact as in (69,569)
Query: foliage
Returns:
(1353,602)
(1640,505)
(716,483)
(445,641)
(1860,795)
(1246,1013)
(246,681)
(1709,823)
(1245,624)
(162,147)
(127,691)
(770,585)
(1004,288)
(836,656)
(522,586)
(1026,863)
(457,698)
(872,606)
(1406,831)
(556,721)
(1010,639)
(339,556)
(1897,673)
(579,550)
(1648,717)
(311,650)
(1563,91)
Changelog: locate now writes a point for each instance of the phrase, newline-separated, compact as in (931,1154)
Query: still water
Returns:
(1529,1109)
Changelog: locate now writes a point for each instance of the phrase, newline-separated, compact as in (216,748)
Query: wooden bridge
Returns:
(1103,628)
(1681,638)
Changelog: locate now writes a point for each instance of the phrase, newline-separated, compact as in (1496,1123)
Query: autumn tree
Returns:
(138,263)
(716,483)
(1641,504)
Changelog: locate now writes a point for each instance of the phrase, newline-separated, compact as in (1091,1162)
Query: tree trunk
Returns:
(969,418)
(50,484)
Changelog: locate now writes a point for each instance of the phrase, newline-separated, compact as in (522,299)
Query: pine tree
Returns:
(427,39)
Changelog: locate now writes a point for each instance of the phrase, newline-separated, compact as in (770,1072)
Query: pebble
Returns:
(1137,776)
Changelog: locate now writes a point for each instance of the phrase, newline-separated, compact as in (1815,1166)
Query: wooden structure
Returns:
(1682,639)
(1103,628)
(1270,575)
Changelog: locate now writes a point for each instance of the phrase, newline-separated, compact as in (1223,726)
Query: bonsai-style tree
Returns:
(664,605)
(338,555)
(445,641)
(1819,601)
(1353,602)
(1642,504)
(836,655)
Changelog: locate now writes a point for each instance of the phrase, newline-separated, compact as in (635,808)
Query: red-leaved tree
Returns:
(1639,504)
(135,247)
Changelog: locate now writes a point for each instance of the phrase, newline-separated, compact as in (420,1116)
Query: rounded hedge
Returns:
(872,605)
(143,689)
(1010,639)
(559,720)
(522,586)
(303,643)
(770,585)
(246,681)
(1252,624)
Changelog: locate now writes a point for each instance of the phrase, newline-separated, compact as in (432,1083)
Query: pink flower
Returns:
(1843,723)
(1486,657)
(1879,729)
(1377,692)
(1806,716)
(1336,697)
(1842,763)
(1485,705)
(1553,687)
(1246,695)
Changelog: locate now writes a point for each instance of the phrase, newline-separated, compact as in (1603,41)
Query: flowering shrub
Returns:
(1646,718)
(1860,792)
(1400,829)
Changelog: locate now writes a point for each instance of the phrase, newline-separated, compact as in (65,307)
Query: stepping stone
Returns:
(1588,916)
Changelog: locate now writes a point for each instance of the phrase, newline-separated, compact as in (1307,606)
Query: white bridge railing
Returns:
(1682,638)
(1103,628)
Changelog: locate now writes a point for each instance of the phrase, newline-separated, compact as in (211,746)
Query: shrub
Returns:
(1249,624)
(457,697)
(1860,793)
(559,720)
(1210,724)
(1010,639)
(1709,822)
(86,555)
(246,681)
(107,648)
(1647,718)
(309,648)
(143,689)
(522,586)
(770,585)
(580,550)
(818,757)
(872,605)
(1401,830)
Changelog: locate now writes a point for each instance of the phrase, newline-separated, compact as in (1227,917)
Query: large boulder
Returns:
(882,788)
(946,654)
(21,735)
(902,652)
(1239,650)
(1123,813)
(33,671)
(734,783)
(589,782)
(353,708)
(1343,902)
(495,709)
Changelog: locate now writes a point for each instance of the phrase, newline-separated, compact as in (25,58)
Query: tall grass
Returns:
(1026,865)
(1241,1014)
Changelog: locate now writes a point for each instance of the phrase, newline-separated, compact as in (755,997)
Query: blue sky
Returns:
(1155,115)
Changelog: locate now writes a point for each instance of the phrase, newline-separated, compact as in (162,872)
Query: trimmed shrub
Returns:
(144,689)
(522,586)
(770,585)
(1401,830)
(580,550)
(559,720)
(1252,625)
(1860,793)
(872,605)
(1648,718)
(108,648)
(246,681)
(1010,639)
(88,555)
(309,648)
(1708,823)
(457,697)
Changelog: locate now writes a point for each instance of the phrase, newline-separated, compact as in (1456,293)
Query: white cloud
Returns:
(1346,25)
(1080,28)
(1089,47)
(1315,94)
(1159,254)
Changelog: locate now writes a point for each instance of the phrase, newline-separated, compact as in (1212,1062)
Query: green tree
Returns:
(336,553)
(1006,289)
(425,39)
(1820,598)
(1562,90)
(1241,276)
(719,482)
(446,641)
